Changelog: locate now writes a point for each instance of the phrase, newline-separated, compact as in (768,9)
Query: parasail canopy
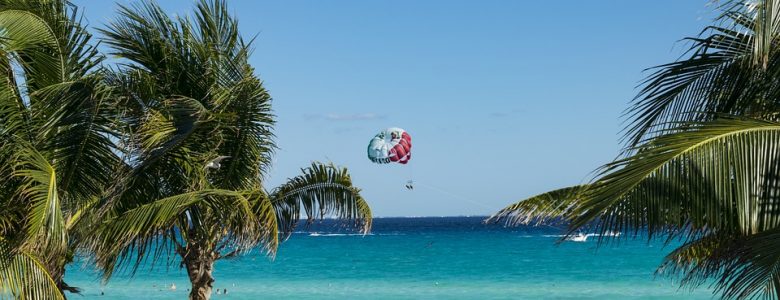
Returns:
(390,145)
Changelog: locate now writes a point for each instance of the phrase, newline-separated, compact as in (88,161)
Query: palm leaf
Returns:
(248,138)
(322,189)
(540,209)
(45,223)
(745,267)
(79,135)
(265,214)
(131,234)
(711,176)
(22,276)
(728,71)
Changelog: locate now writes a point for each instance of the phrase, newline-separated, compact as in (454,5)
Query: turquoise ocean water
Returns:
(418,258)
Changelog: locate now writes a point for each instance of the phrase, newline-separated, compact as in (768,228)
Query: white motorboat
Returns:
(580,237)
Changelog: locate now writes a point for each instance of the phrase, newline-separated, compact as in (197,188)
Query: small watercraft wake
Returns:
(580,237)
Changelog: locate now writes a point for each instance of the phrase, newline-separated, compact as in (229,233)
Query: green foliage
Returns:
(137,230)
(188,95)
(730,69)
(552,206)
(110,161)
(701,164)
(22,276)
(321,190)
(45,223)
(56,149)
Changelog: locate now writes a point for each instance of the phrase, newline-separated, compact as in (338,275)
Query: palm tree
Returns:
(701,161)
(56,149)
(199,141)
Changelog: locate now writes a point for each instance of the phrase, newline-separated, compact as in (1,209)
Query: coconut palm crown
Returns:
(199,142)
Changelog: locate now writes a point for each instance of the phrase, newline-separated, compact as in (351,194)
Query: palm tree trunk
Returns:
(200,264)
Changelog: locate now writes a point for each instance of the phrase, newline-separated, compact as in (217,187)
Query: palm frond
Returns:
(248,138)
(322,189)
(45,223)
(728,71)
(22,276)
(130,235)
(711,176)
(79,133)
(267,233)
(546,208)
(53,45)
(31,39)
(744,267)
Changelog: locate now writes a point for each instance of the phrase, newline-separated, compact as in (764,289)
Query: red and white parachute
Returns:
(390,145)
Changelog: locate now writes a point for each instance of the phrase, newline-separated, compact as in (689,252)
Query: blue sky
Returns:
(503,99)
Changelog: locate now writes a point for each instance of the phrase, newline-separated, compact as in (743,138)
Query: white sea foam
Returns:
(588,235)
(316,234)
(338,234)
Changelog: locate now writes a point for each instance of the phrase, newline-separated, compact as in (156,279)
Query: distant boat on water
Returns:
(581,237)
